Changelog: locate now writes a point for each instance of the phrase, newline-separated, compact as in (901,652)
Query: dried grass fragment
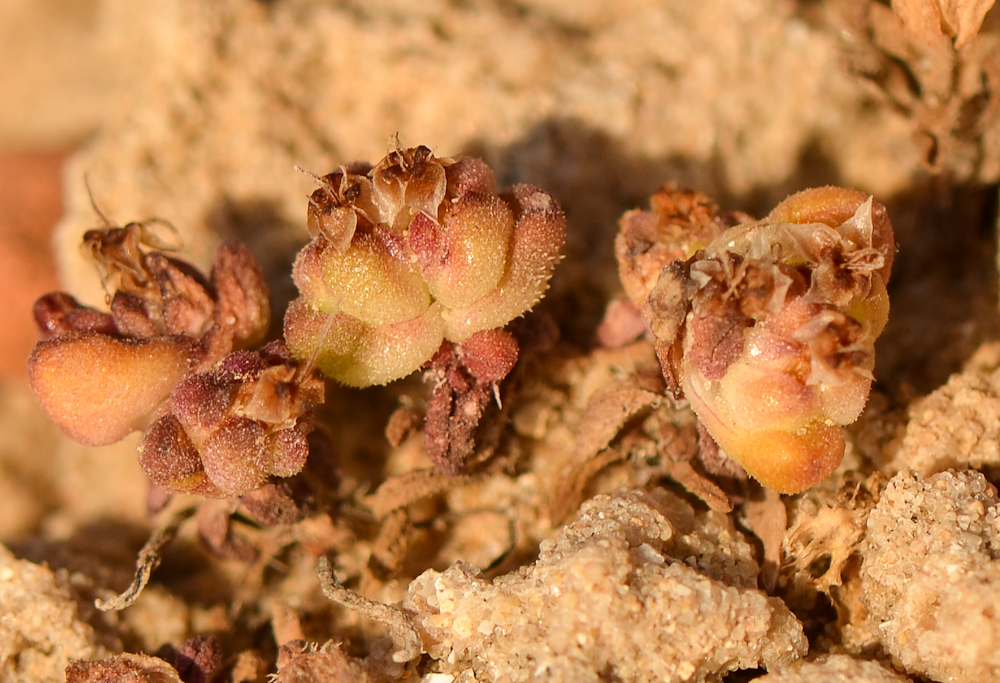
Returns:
(147,561)
(404,634)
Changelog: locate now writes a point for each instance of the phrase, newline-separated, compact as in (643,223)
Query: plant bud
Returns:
(236,456)
(171,460)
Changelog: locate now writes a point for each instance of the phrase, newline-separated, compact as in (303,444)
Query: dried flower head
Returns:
(411,253)
(767,327)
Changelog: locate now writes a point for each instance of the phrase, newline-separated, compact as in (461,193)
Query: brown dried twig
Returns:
(404,633)
(148,560)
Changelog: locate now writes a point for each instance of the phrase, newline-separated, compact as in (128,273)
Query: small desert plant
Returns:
(767,327)
(418,262)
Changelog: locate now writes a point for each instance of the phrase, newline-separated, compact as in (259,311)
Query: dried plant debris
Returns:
(197,660)
(606,595)
(404,634)
(123,668)
(951,92)
(930,19)
(766,327)
(327,664)
(821,556)
(931,575)
(148,559)
(607,412)
(624,430)
(826,531)
(465,381)
(41,630)
(834,669)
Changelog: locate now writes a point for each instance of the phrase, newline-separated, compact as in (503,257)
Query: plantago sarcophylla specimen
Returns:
(766,327)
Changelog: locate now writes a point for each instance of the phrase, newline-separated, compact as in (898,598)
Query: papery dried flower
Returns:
(153,294)
(411,253)
(767,327)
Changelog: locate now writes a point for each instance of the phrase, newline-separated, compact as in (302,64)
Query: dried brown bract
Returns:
(465,380)
(679,223)
(767,327)
(951,92)
(153,294)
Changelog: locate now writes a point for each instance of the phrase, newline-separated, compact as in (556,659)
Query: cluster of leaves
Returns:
(418,262)
(175,351)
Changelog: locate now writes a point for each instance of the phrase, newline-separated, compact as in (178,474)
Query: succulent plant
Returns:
(411,253)
(766,327)
(418,262)
(170,359)
(228,429)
